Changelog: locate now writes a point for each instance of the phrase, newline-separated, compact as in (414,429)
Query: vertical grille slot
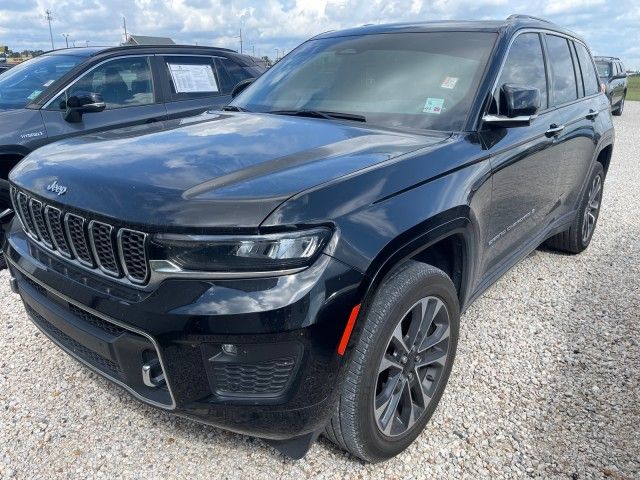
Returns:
(25,214)
(133,254)
(78,239)
(53,218)
(102,245)
(35,207)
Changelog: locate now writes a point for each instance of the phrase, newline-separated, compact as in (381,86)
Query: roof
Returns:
(95,50)
(511,23)
(145,40)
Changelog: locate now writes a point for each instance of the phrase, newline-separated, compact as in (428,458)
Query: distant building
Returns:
(144,40)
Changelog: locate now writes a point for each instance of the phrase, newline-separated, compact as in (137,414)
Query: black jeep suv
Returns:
(613,75)
(297,263)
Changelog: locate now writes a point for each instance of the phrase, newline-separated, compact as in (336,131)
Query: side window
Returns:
(124,82)
(589,74)
(576,68)
(191,77)
(230,73)
(563,78)
(525,66)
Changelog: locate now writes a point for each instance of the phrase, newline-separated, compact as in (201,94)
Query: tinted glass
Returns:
(525,65)
(563,78)
(230,73)
(415,80)
(125,82)
(23,83)
(589,75)
(604,69)
(191,77)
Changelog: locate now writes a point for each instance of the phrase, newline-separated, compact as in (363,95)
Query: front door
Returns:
(127,87)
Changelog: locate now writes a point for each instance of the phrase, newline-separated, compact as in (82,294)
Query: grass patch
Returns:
(633,90)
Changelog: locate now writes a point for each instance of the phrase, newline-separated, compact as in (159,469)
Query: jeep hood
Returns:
(219,169)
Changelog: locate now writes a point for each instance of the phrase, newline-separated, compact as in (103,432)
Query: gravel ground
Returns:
(546,383)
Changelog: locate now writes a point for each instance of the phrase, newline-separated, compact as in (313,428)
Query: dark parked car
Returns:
(4,67)
(297,263)
(612,73)
(79,90)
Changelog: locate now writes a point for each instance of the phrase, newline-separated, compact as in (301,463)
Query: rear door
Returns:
(192,85)
(524,161)
(574,109)
(129,91)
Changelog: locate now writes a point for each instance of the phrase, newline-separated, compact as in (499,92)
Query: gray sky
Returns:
(610,27)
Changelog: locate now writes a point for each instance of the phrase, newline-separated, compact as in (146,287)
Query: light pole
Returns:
(48,14)
(66,38)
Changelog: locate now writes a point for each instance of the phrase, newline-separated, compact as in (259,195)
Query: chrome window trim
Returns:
(106,318)
(544,53)
(92,243)
(86,72)
(72,243)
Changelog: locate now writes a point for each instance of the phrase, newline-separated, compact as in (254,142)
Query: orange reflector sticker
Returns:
(342,346)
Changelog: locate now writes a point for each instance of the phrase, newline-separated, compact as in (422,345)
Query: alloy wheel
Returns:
(592,209)
(411,367)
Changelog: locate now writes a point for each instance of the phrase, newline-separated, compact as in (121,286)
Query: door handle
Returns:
(554,129)
(591,115)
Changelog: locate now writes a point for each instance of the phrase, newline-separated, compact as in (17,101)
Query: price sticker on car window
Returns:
(433,105)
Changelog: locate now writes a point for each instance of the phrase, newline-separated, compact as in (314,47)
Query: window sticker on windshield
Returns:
(449,82)
(188,78)
(433,105)
(34,94)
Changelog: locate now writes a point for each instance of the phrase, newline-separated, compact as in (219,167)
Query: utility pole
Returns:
(253,50)
(66,38)
(124,25)
(49,16)
(241,40)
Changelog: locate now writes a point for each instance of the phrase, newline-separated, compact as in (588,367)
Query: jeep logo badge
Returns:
(56,188)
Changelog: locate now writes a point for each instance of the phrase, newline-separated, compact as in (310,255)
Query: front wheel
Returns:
(579,234)
(400,365)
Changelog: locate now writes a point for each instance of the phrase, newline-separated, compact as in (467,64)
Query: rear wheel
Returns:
(400,365)
(618,111)
(578,236)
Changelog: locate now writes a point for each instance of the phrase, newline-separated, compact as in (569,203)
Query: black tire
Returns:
(618,111)
(573,240)
(355,426)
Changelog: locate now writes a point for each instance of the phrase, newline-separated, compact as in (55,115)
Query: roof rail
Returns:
(517,16)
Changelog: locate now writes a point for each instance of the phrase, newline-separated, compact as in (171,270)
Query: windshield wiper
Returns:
(234,108)
(321,114)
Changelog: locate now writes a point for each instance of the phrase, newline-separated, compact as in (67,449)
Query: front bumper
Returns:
(254,356)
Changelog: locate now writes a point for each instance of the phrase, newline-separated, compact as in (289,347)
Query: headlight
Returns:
(242,253)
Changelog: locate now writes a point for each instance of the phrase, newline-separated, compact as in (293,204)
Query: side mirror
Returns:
(240,86)
(519,105)
(83,102)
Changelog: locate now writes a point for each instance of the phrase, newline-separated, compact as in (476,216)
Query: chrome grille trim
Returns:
(123,261)
(87,243)
(110,256)
(79,246)
(53,217)
(36,210)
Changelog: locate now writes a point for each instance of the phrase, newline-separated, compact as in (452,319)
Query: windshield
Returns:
(411,80)
(25,82)
(604,69)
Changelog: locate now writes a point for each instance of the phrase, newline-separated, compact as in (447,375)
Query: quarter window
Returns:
(563,78)
(589,74)
(525,65)
(125,82)
(230,74)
